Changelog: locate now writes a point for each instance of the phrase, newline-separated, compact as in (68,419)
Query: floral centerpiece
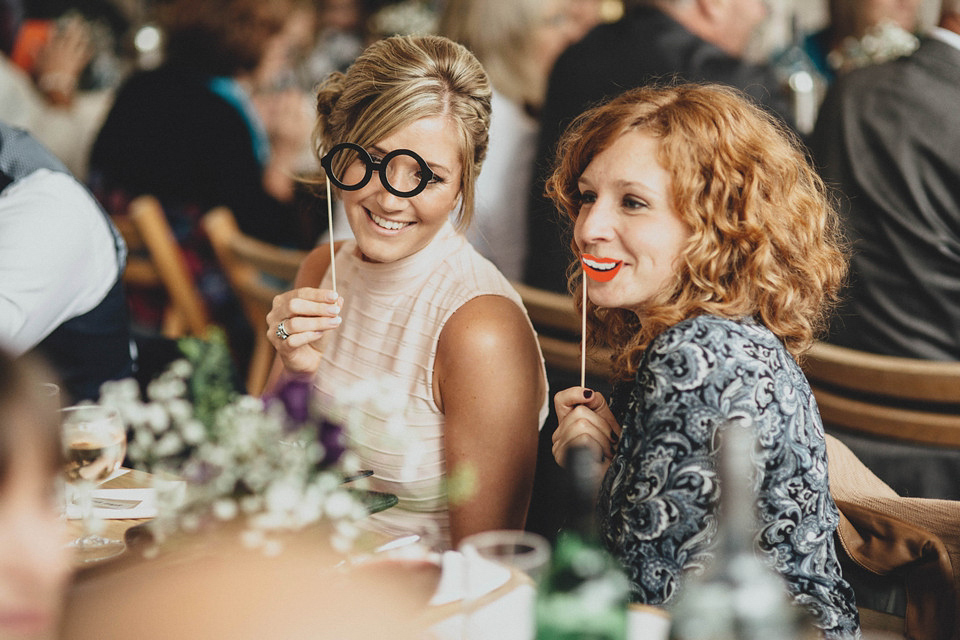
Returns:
(277,461)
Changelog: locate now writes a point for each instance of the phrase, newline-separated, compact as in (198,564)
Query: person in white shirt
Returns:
(61,261)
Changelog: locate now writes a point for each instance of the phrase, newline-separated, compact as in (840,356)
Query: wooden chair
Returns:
(557,322)
(901,399)
(257,271)
(155,260)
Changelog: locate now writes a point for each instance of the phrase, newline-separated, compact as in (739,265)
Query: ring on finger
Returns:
(281,331)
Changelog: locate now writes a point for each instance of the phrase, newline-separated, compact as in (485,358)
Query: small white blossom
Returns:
(225,509)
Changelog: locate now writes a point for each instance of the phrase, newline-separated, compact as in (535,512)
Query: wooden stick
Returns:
(333,260)
(583,336)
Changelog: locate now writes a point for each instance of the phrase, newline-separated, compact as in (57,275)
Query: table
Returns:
(210,586)
(117,528)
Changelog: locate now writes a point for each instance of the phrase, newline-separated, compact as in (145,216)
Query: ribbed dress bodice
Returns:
(393,314)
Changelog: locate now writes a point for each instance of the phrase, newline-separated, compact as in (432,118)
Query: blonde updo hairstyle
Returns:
(399,80)
(765,237)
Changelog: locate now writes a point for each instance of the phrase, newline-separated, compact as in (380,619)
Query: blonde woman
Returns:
(402,135)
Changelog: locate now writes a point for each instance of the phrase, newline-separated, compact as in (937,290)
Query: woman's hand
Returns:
(584,419)
(305,315)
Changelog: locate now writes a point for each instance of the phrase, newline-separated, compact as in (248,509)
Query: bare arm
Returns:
(489,383)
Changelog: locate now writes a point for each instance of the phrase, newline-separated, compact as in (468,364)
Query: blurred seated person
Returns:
(46,100)
(841,46)
(189,133)
(711,254)
(341,37)
(517,41)
(61,262)
(887,138)
(34,558)
(693,40)
(585,14)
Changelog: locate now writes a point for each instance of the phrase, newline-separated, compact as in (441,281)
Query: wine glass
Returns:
(94,444)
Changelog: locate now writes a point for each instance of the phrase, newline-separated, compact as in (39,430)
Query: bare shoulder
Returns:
(488,349)
(488,323)
(315,266)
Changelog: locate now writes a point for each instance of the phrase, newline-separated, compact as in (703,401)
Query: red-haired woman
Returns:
(712,254)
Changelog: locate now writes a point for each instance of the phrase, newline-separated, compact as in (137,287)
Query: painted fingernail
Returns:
(336,320)
(335,309)
(587,393)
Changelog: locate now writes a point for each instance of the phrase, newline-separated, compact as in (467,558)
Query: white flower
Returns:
(338,504)
(156,418)
(193,431)
(225,509)
(180,368)
(169,445)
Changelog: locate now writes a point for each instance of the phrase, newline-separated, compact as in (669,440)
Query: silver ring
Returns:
(281,332)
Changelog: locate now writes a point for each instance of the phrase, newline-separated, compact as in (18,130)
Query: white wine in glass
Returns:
(94,445)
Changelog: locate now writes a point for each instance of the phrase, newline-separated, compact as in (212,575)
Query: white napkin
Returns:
(484,576)
(509,617)
(120,503)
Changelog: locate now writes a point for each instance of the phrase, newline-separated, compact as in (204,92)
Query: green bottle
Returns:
(584,594)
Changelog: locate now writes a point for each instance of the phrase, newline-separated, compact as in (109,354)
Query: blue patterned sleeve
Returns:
(660,496)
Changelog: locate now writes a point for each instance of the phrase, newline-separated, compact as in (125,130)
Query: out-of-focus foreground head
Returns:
(34,561)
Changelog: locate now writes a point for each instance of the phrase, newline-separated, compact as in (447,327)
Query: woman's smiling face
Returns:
(628,231)
(389,227)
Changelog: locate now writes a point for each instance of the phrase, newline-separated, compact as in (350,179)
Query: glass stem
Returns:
(85,498)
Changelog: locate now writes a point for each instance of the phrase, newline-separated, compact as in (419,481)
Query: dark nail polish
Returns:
(587,393)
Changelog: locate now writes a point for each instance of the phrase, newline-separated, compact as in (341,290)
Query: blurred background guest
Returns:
(887,138)
(341,35)
(60,265)
(44,92)
(711,254)
(586,14)
(190,133)
(517,41)
(34,558)
(862,32)
(654,39)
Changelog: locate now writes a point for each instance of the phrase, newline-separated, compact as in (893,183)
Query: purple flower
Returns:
(200,472)
(330,436)
(295,395)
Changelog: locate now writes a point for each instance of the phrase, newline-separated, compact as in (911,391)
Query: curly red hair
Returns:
(765,237)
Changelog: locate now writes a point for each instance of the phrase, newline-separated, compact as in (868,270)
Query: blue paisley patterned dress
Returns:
(659,496)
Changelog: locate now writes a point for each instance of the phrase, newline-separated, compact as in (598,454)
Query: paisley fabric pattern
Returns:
(660,495)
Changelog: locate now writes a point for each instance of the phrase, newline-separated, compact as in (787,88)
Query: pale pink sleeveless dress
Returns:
(392,318)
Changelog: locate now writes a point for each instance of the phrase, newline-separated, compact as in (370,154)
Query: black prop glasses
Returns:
(402,172)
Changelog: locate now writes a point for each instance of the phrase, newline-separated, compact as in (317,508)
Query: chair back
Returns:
(155,261)
(558,325)
(900,399)
(257,271)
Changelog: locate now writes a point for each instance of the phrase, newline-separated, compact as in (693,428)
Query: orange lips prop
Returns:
(600,269)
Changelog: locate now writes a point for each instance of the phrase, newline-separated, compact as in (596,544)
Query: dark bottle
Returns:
(584,593)
(739,596)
